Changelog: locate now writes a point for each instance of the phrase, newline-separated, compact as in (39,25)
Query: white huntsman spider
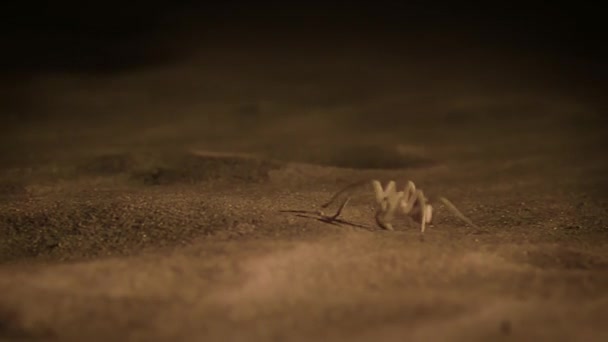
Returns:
(389,201)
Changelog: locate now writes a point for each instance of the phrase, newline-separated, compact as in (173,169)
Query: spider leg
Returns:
(387,200)
(423,214)
(348,189)
(452,208)
(409,198)
(428,213)
(335,216)
(382,193)
(383,216)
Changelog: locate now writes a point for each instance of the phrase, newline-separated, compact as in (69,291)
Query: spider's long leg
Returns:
(452,208)
(383,217)
(422,203)
(347,189)
(409,197)
(428,213)
(335,216)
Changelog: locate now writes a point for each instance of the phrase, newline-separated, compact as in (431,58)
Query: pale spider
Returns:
(389,201)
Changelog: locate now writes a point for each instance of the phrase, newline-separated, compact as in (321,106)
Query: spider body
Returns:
(411,202)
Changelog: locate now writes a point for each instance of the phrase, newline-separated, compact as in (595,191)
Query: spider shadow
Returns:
(333,221)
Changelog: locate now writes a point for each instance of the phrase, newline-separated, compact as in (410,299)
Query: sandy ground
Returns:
(151,205)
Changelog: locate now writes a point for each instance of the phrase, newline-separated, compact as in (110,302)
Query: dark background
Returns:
(561,46)
(113,35)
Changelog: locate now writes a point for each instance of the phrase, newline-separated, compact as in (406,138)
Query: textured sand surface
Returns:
(150,205)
